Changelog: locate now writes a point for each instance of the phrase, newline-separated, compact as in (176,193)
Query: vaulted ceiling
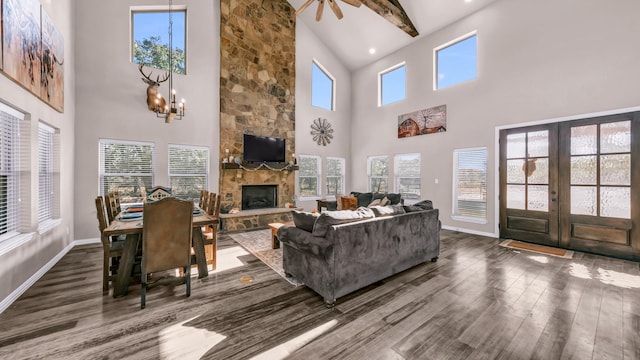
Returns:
(384,25)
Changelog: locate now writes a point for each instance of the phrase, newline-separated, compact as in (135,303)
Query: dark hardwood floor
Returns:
(479,301)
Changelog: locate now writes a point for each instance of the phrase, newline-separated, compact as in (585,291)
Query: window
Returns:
(9,171)
(392,85)
(456,61)
(335,176)
(48,173)
(150,38)
(309,176)
(378,171)
(188,171)
(322,87)
(470,185)
(126,167)
(407,171)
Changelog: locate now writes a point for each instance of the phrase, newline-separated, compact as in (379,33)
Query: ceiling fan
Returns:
(332,4)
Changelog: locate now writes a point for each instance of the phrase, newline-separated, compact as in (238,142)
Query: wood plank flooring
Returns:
(479,301)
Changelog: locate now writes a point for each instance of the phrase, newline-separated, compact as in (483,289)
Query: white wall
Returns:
(19,264)
(308,48)
(111,99)
(536,60)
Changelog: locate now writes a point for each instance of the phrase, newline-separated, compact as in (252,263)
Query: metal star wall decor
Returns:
(321,131)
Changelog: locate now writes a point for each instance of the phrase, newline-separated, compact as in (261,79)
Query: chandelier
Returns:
(171,109)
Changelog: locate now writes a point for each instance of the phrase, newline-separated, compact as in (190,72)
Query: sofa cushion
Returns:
(394,198)
(388,210)
(375,202)
(424,204)
(304,220)
(330,218)
(412,208)
(364,199)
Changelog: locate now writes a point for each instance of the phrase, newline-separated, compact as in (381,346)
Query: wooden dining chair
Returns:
(166,242)
(204,195)
(113,205)
(210,236)
(111,249)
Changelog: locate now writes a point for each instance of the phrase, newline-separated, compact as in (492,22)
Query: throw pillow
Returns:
(375,202)
(364,199)
(388,210)
(330,218)
(338,202)
(384,201)
(349,202)
(304,220)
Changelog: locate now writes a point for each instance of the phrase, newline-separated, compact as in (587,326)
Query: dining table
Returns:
(131,226)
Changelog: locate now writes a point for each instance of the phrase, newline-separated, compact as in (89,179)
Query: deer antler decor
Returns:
(155,101)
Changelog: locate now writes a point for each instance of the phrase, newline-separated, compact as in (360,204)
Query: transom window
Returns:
(392,85)
(322,87)
(407,176)
(150,37)
(126,167)
(378,171)
(309,176)
(456,61)
(470,184)
(335,176)
(188,171)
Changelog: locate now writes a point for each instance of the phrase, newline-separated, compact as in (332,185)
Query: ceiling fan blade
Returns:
(336,9)
(304,6)
(319,11)
(355,3)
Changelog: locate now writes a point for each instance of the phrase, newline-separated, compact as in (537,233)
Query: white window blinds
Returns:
(378,171)
(46,153)
(470,183)
(9,172)
(309,176)
(335,176)
(188,171)
(407,171)
(126,167)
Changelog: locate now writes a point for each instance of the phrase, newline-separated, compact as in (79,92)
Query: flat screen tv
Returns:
(259,149)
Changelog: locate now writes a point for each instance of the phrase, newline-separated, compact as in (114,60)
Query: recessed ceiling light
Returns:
(372,51)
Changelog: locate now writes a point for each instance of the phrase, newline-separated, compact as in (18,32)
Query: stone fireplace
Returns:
(259,197)
(257,97)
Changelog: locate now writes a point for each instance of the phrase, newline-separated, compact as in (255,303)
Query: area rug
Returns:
(540,249)
(259,244)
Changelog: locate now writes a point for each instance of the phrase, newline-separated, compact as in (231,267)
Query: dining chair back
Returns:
(113,205)
(166,242)
(204,195)
(212,232)
(111,249)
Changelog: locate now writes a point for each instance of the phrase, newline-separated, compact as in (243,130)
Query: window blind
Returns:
(9,172)
(407,169)
(470,182)
(335,176)
(45,172)
(188,171)
(378,171)
(309,175)
(126,167)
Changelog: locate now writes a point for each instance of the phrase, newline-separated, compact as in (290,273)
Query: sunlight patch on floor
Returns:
(283,350)
(186,342)
(611,277)
(579,271)
(540,259)
(229,258)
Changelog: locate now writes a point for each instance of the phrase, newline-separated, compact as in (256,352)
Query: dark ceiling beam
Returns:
(394,13)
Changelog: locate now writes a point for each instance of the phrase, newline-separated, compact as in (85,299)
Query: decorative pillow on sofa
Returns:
(412,208)
(364,199)
(348,203)
(388,210)
(304,220)
(424,204)
(330,218)
(394,198)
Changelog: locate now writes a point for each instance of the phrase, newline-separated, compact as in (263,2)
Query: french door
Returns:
(574,184)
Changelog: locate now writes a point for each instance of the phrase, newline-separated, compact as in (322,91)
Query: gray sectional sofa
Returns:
(339,256)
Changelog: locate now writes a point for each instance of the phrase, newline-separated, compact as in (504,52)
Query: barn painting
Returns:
(426,121)
(21,42)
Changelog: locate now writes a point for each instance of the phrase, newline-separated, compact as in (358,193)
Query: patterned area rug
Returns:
(259,244)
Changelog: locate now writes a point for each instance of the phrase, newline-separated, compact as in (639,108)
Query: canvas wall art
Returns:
(21,42)
(426,121)
(52,59)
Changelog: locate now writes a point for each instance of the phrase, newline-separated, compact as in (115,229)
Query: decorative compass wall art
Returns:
(321,131)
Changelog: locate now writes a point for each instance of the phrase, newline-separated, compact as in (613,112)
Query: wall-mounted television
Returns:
(259,149)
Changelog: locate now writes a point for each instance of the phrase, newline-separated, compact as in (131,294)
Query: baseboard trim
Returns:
(6,302)
(467,231)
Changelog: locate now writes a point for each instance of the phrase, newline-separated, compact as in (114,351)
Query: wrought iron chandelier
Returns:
(171,109)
